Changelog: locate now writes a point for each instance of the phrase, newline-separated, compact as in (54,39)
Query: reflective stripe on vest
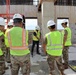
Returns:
(54,45)
(23,47)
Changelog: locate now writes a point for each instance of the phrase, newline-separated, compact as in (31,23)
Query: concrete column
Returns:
(47,14)
(39,19)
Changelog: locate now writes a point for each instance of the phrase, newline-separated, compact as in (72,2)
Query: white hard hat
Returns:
(50,23)
(2,22)
(10,23)
(37,27)
(17,16)
(64,21)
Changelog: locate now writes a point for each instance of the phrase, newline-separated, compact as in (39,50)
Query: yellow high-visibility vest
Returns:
(18,41)
(1,33)
(1,53)
(54,43)
(68,41)
(6,41)
(37,34)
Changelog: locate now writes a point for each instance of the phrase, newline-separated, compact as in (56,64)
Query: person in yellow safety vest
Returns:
(9,26)
(53,45)
(36,38)
(2,61)
(66,42)
(18,41)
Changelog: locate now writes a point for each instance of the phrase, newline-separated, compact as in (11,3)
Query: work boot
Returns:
(38,53)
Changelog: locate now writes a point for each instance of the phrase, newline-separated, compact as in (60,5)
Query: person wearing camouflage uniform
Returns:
(17,39)
(66,42)
(53,44)
(7,54)
(2,46)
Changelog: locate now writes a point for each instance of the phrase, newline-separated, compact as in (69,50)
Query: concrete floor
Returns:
(39,65)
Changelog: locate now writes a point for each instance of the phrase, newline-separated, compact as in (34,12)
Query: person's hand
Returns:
(37,37)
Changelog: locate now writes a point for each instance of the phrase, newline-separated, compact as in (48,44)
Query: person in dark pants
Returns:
(36,38)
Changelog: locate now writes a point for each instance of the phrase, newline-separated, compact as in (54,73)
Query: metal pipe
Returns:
(8,10)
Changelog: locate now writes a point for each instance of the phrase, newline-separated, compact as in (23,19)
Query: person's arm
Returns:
(65,37)
(34,33)
(37,37)
(27,40)
(44,44)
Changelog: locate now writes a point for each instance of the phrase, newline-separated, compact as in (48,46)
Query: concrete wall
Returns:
(31,11)
(68,12)
(64,12)
(2,9)
(59,11)
(47,14)
(27,10)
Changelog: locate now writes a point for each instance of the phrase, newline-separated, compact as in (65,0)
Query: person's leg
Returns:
(65,56)
(33,45)
(8,55)
(60,65)
(25,68)
(3,48)
(37,42)
(2,62)
(14,66)
(14,69)
(51,64)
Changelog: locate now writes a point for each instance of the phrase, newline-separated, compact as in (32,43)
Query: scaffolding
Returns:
(8,10)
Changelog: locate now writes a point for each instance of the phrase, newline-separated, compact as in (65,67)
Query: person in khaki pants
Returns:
(7,55)
(66,42)
(17,39)
(53,46)
(2,46)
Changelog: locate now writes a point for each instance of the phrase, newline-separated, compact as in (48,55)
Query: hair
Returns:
(10,25)
(23,21)
(65,23)
(17,20)
(52,27)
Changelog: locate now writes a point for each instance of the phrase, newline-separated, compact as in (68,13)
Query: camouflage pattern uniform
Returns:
(65,55)
(7,55)
(23,62)
(51,61)
(2,61)
(4,49)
